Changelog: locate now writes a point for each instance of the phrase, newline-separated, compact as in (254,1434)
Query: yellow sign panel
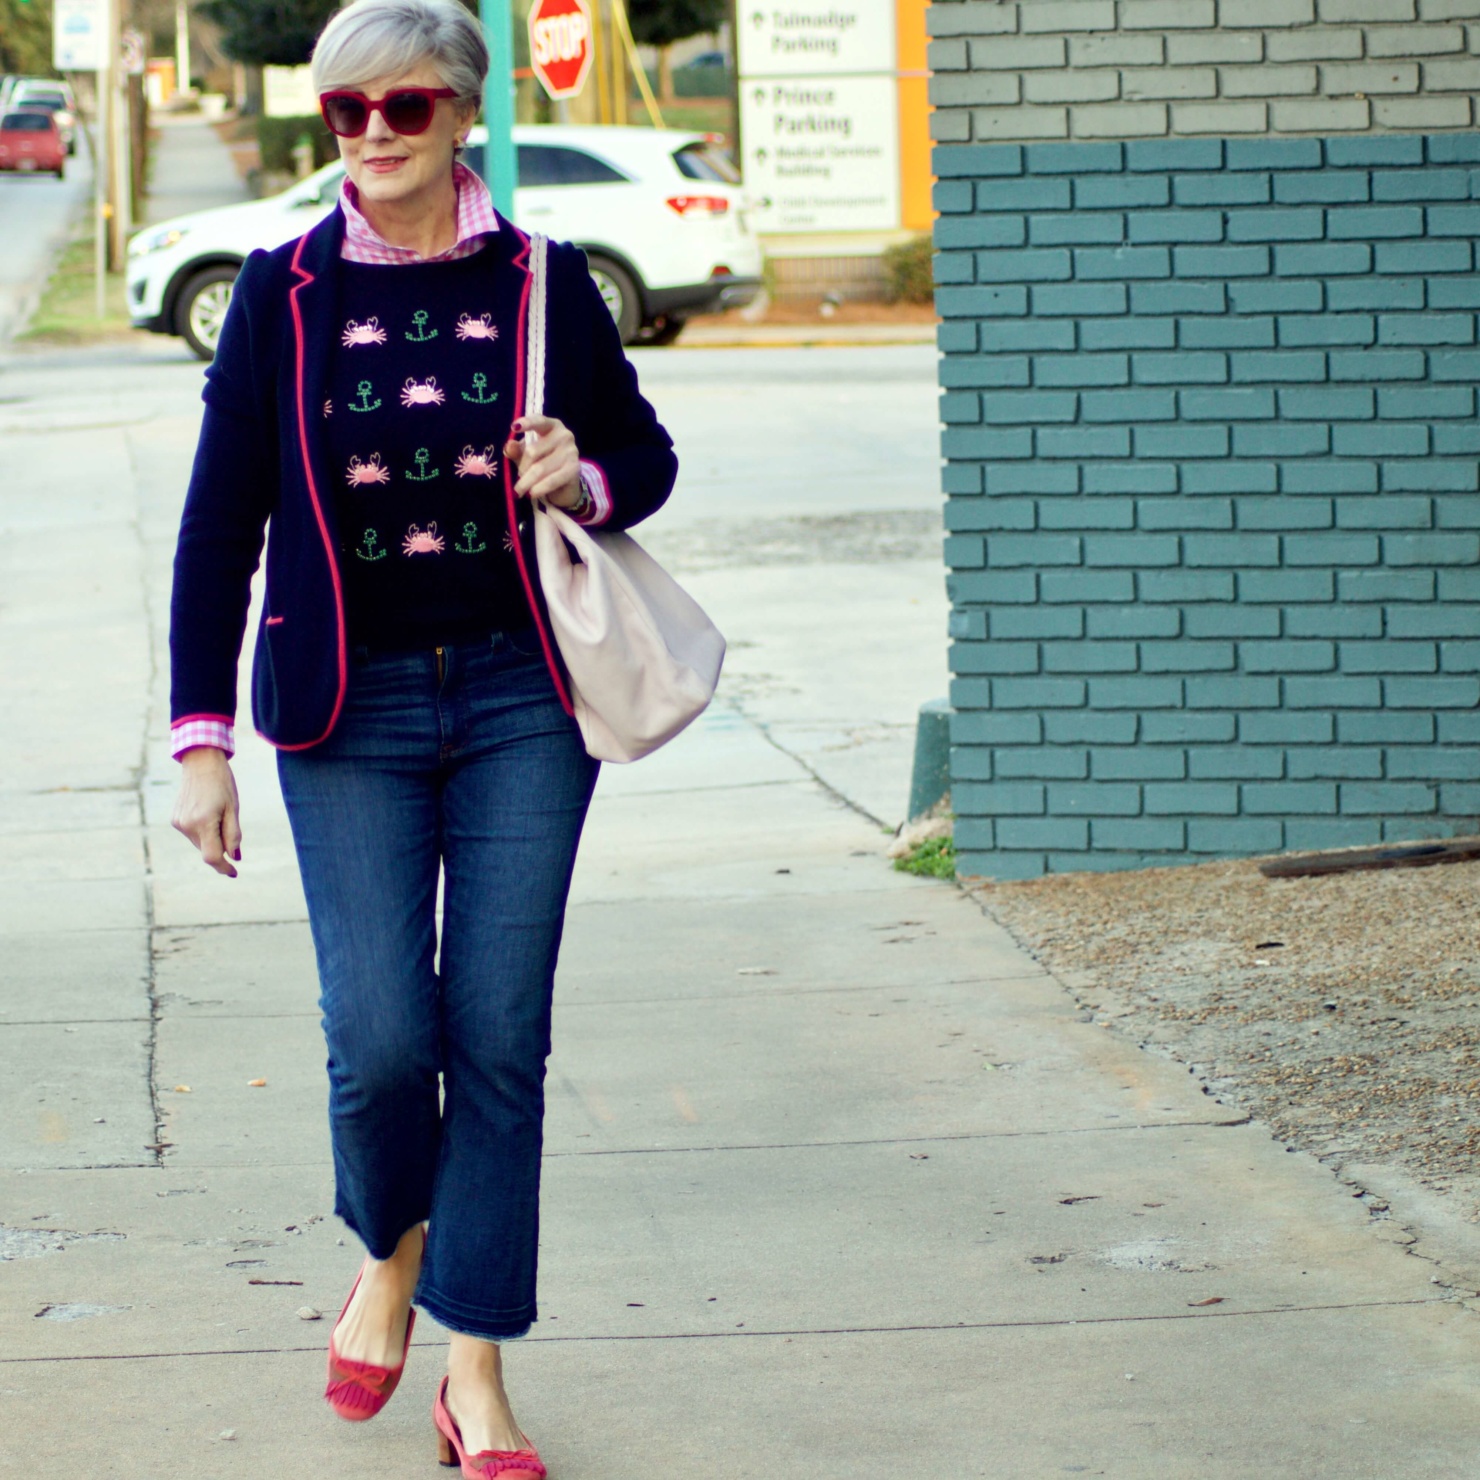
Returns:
(916,211)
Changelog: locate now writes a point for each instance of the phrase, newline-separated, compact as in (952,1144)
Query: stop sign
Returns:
(560,45)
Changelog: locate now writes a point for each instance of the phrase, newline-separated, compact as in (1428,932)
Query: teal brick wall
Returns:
(1212,459)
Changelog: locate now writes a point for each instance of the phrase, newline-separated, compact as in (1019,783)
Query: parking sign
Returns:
(79,30)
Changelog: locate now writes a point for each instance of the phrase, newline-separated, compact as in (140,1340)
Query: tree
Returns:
(660,23)
(268,33)
(25,37)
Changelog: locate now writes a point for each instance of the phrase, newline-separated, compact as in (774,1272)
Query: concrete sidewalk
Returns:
(838,1181)
(191,169)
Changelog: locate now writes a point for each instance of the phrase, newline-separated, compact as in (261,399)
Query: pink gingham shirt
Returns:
(476,222)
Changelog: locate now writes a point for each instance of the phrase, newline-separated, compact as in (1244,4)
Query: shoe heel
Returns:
(445,1455)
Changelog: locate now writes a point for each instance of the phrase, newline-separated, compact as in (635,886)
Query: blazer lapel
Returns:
(312,299)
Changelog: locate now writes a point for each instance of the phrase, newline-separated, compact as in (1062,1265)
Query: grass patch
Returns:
(933,858)
(703,115)
(67,312)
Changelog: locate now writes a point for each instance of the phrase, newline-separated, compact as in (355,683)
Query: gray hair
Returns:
(379,38)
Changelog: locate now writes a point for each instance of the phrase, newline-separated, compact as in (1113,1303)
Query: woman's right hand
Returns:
(206,809)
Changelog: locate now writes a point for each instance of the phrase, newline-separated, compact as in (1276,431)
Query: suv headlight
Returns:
(156,241)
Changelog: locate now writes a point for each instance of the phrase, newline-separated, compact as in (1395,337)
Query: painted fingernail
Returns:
(237,855)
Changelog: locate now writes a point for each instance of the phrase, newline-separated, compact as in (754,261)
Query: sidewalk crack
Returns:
(764,731)
(140,781)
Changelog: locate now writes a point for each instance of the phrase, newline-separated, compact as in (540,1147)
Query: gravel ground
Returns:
(1343,1012)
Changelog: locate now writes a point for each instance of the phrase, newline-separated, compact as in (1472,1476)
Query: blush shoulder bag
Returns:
(642,656)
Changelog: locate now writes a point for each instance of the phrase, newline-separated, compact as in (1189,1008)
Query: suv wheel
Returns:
(620,295)
(202,309)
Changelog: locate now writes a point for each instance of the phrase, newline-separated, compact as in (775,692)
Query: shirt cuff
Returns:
(202,729)
(593,483)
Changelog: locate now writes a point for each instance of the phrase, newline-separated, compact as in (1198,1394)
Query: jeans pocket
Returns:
(526,642)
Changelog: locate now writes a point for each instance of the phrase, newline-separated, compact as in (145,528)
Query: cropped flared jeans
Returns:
(459,762)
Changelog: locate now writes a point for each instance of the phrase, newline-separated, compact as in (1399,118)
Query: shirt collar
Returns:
(476,218)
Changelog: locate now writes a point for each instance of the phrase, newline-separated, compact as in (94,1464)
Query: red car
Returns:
(31,140)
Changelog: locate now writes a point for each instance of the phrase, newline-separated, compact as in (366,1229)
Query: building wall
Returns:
(1211,457)
(1122,69)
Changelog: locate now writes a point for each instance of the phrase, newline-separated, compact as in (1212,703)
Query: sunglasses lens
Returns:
(409,113)
(348,116)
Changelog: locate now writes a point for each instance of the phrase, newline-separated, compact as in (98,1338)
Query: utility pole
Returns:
(498,103)
(182,46)
(103,130)
(120,145)
(736,152)
(619,67)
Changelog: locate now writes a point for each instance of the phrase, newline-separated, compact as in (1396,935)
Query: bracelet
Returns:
(580,510)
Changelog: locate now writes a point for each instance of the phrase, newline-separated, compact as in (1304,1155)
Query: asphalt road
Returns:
(36,213)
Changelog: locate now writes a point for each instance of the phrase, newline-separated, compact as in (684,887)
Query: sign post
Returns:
(80,31)
(502,160)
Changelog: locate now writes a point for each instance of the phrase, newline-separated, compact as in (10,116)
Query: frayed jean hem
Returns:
(509,1327)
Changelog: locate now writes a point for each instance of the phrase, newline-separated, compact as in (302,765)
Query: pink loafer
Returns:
(359,1390)
(487,1464)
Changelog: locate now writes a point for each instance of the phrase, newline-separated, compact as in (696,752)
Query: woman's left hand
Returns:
(548,461)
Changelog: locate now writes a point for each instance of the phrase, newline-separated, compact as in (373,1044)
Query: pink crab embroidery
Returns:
(369,471)
(414,394)
(420,541)
(480,328)
(369,332)
(472,464)
(329,407)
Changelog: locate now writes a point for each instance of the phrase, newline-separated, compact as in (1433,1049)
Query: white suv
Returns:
(659,212)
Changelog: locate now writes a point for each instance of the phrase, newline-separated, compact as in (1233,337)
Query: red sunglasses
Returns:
(407,110)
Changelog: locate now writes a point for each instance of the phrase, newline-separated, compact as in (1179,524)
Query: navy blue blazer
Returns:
(260,458)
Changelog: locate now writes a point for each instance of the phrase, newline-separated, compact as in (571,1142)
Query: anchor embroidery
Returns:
(370,541)
(419,318)
(466,545)
(364,391)
(421,475)
(480,386)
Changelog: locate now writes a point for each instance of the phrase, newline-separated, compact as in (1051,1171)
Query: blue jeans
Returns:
(461,762)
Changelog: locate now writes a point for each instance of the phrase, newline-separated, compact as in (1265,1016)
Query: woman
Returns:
(366,397)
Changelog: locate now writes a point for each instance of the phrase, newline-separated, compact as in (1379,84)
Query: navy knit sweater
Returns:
(420,402)
(264,453)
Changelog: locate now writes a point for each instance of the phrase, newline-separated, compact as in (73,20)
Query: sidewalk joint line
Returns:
(1042,1324)
(202,1168)
(827,786)
(225,925)
(70,1022)
(754,994)
(1078,1130)
(683,791)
